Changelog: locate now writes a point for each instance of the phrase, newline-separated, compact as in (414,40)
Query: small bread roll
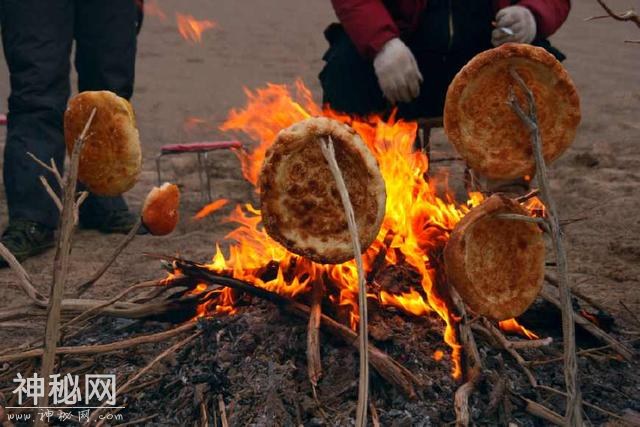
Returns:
(160,210)
(496,265)
(111,158)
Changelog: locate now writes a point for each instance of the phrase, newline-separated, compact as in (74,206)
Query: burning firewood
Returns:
(496,264)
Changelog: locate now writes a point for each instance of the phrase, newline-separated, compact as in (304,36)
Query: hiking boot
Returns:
(25,239)
(115,221)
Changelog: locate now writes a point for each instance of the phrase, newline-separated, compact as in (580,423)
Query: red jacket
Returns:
(370,24)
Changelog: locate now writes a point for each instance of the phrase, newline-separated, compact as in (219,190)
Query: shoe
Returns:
(25,239)
(115,221)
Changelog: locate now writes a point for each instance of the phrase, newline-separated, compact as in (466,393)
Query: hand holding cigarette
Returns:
(514,24)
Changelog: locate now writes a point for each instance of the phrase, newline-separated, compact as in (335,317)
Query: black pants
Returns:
(37,37)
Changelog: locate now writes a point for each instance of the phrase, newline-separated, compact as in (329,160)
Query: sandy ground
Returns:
(261,42)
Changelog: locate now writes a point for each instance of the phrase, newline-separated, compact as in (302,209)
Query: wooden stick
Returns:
(61,262)
(103,348)
(23,277)
(314,362)
(530,195)
(84,287)
(518,217)
(620,348)
(518,345)
(473,363)
(393,372)
(51,168)
(553,281)
(223,412)
(541,411)
(629,15)
(506,345)
(363,383)
(585,403)
(573,413)
(127,385)
(52,194)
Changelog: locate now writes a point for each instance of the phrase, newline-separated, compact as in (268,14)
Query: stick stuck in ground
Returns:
(573,414)
(363,385)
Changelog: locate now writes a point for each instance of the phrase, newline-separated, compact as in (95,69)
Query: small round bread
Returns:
(111,158)
(483,128)
(496,265)
(301,206)
(160,209)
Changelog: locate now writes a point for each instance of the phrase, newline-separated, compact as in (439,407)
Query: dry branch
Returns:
(84,287)
(314,362)
(363,383)
(620,348)
(573,414)
(393,372)
(126,386)
(629,15)
(61,260)
(23,276)
(103,348)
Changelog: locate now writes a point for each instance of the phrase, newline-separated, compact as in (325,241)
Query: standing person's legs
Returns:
(105,33)
(37,37)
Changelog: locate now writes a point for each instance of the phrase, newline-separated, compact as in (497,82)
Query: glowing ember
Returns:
(512,326)
(191,29)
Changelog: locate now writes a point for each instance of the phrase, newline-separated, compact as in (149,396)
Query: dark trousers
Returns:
(37,37)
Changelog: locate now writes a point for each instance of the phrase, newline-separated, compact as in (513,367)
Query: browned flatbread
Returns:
(301,206)
(496,265)
(111,158)
(483,128)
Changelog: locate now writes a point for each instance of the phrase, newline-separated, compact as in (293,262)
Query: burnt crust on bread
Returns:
(483,128)
(496,265)
(300,204)
(111,157)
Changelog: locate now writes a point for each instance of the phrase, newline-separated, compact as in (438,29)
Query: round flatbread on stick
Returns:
(483,128)
(160,210)
(111,158)
(496,265)
(300,202)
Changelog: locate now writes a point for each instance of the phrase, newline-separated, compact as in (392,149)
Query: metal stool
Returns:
(202,150)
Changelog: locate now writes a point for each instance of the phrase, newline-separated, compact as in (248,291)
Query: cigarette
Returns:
(505,30)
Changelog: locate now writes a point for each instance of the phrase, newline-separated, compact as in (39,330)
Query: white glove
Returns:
(397,72)
(519,20)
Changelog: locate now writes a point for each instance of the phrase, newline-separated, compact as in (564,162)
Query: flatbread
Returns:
(496,265)
(484,129)
(300,204)
(111,157)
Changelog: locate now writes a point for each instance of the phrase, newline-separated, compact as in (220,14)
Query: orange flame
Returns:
(210,208)
(417,220)
(151,8)
(512,326)
(191,29)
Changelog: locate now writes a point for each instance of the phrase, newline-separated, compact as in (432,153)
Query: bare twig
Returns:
(103,348)
(506,345)
(127,385)
(629,15)
(52,194)
(61,261)
(23,276)
(585,403)
(518,217)
(314,363)
(530,195)
(576,292)
(518,345)
(541,411)
(51,168)
(84,287)
(363,384)
(573,414)
(633,315)
(620,348)
(223,412)
(473,363)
